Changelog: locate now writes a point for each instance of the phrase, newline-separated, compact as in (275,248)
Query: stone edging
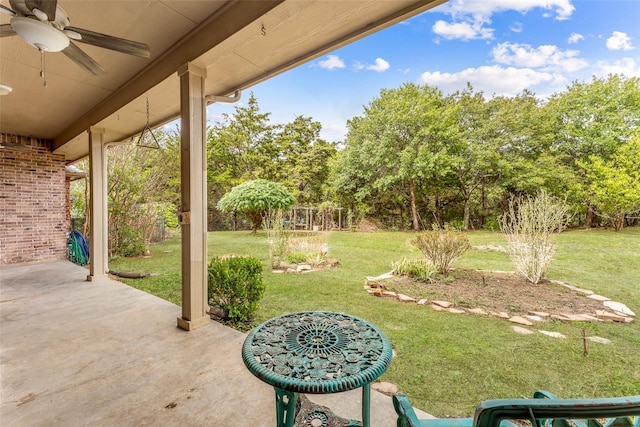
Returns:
(612,310)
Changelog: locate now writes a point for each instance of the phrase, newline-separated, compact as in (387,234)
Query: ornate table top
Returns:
(316,352)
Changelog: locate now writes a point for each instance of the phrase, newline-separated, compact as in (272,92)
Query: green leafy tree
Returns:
(136,178)
(255,199)
(615,183)
(304,159)
(593,120)
(399,142)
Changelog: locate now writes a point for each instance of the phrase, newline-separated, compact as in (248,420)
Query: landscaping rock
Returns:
(303,267)
(437,307)
(443,304)
(573,317)
(456,310)
(504,315)
(583,291)
(598,297)
(405,298)
(552,334)
(423,301)
(332,262)
(376,292)
(542,314)
(610,316)
(520,320)
(478,311)
(389,294)
(599,340)
(521,330)
(619,307)
(385,388)
(384,276)
(533,318)
(218,313)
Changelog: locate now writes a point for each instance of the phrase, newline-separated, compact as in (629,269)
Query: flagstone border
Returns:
(612,311)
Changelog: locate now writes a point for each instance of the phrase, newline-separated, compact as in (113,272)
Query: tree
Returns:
(593,120)
(303,159)
(136,178)
(615,183)
(401,140)
(255,199)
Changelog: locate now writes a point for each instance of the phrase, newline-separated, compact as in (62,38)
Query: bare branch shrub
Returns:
(441,247)
(528,226)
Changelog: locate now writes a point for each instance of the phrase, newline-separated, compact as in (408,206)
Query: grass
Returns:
(448,363)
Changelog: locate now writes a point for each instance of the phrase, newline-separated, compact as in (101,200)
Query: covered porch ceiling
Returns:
(238,43)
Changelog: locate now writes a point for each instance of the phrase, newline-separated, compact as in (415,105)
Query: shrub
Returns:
(528,226)
(441,247)
(279,235)
(236,285)
(420,269)
(296,257)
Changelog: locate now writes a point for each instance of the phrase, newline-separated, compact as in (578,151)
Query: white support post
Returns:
(193,155)
(99,235)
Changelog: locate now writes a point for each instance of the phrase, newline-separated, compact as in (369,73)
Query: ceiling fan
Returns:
(45,25)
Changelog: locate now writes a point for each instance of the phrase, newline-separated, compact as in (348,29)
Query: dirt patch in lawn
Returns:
(497,292)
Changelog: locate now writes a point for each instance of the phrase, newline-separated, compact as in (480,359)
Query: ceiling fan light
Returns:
(72,34)
(5,90)
(39,35)
(40,14)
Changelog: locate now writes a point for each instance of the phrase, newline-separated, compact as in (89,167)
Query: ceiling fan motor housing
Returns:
(39,34)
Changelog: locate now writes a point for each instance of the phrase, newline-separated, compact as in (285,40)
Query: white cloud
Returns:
(333,132)
(517,27)
(575,38)
(545,57)
(471,17)
(491,79)
(619,41)
(562,9)
(463,30)
(625,66)
(331,63)
(380,66)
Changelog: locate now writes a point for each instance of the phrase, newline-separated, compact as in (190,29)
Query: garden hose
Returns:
(78,248)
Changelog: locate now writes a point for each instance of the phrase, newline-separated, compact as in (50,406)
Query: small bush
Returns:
(419,269)
(296,257)
(441,247)
(236,285)
(528,226)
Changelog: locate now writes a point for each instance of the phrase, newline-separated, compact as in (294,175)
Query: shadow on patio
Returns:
(77,353)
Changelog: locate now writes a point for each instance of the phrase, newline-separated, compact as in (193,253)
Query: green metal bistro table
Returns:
(316,352)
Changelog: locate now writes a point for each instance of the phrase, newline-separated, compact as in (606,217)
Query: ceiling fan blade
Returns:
(7,11)
(6,31)
(47,6)
(83,60)
(111,42)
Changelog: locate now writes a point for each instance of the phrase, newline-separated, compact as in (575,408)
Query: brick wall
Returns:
(34,213)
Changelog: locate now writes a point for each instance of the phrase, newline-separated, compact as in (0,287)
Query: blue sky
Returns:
(500,46)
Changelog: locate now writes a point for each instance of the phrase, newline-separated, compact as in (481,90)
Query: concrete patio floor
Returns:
(78,353)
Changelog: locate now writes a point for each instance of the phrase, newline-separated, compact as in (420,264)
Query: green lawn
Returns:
(448,363)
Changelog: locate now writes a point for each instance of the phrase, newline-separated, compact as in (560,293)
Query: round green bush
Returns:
(236,285)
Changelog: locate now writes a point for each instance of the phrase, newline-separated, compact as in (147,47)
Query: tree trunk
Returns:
(618,222)
(483,205)
(467,214)
(414,209)
(588,221)
(437,215)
